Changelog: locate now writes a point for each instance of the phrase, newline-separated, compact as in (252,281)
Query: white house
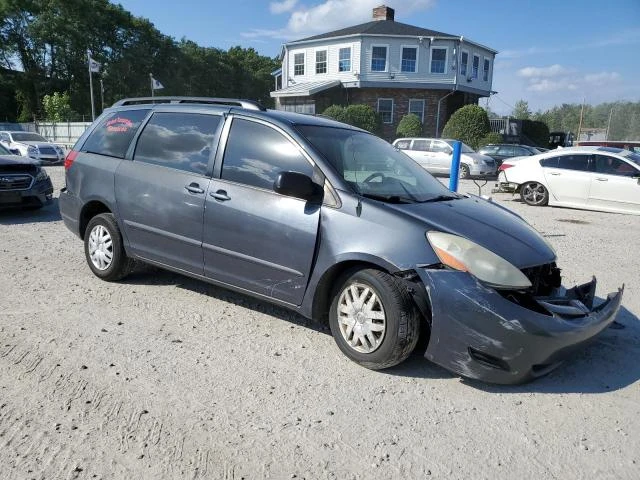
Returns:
(394,67)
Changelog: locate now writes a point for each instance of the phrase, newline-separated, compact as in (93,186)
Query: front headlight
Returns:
(466,256)
(42,175)
(32,151)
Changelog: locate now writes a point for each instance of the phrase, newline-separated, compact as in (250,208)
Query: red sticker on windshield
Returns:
(119,124)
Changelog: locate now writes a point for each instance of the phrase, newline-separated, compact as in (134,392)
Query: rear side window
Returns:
(256,154)
(178,140)
(113,136)
(421,145)
(574,162)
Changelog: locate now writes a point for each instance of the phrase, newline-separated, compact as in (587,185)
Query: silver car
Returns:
(32,145)
(436,154)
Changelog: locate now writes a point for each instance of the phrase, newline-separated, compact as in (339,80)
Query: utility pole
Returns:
(606,137)
(581,114)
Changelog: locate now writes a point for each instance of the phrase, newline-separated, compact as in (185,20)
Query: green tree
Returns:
(57,107)
(409,126)
(521,110)
(469,124)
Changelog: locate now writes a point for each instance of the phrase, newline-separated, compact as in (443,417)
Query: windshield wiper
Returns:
(389,198)
(442,198)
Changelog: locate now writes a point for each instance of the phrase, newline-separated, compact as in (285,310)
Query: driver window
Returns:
(613,166)
(439,147)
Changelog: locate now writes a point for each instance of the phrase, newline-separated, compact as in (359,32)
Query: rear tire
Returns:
(104,250)
(373,319)
(464,171)
(535,194)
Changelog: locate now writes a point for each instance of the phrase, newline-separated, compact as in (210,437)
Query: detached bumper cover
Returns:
(477,333)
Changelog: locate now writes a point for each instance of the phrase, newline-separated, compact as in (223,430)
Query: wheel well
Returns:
(327,285)
(89,211)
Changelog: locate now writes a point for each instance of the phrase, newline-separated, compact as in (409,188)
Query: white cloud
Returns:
(329,15)
(602,78)
(282,7)
(544,72)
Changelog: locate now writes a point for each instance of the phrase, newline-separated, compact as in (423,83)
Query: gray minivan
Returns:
(330,221)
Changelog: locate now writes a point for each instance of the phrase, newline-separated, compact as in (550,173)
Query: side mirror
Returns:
(297,185)
(449,150)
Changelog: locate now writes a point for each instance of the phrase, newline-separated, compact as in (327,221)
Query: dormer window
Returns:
(464,63)
(344,61)
(321,61)
(438,60)
(379,58)
(298,64)
(409,59)
(485,71)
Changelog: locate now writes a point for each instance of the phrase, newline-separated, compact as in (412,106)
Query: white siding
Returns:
(332,48)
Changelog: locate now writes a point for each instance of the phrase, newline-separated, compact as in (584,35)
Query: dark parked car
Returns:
(330,221)
(502,151)
(23,182)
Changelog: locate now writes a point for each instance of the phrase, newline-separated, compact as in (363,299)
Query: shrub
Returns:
(469,124)
(409,126)
(361,116)
(491,137)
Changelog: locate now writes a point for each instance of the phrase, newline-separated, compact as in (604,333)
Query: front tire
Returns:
(535,194)
(373,319)
(104,250)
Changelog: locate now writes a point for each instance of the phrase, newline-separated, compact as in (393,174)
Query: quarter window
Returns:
(114,134)
(409,59)
(298,64)
(485,71)
(344,60)
(438,60)
(178,140)
(416,106)
(464,61)
(321,61)
(258,162)
(378,59)
(403,144)
(385,109)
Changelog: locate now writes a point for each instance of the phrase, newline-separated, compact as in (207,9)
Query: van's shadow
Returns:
(22,215)
(609,363)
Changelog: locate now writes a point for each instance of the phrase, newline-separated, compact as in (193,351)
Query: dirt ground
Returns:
(161,376)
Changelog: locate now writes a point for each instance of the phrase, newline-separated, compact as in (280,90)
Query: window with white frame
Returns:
(385,109)
(344,59)
(298,64)
(416,106)
(438,59)
(409,59)
(464,62)
(321,61)
(485,70)
(476,65)
(378,58)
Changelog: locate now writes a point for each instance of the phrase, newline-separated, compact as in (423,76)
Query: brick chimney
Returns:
(383,13)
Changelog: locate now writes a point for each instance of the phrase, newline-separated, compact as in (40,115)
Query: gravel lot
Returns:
(161,376)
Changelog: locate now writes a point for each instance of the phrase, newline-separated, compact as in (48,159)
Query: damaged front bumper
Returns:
(478,333)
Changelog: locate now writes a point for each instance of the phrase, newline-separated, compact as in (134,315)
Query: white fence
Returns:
(63,133)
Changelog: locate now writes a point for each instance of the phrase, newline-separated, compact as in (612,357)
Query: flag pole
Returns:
(151,80)
(101,95)
(93,110)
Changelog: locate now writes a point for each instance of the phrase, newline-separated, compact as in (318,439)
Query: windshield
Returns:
(27,137)
(634,157)
(373,167)
(464,148)
(4,151)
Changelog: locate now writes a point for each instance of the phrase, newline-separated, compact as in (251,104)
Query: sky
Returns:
(550,51)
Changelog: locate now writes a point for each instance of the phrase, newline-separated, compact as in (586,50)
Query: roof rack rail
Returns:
(248,104)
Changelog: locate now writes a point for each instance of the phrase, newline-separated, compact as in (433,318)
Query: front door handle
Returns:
(194,188)
(600,179)
(220,195)
(554,173)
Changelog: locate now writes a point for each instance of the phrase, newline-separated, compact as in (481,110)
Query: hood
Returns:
(478,156)
(10,160)
(491,226)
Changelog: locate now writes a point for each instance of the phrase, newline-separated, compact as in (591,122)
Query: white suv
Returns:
(32,145)
(435,156)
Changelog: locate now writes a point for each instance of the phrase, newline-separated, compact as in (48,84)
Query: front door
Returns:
(615,185)
(161,192)
(568,178)
(254,238)
(440,156)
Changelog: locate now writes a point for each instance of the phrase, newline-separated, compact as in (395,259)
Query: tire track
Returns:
(124,423)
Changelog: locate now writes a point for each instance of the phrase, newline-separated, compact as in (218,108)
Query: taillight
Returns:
(71,156)
(504,166)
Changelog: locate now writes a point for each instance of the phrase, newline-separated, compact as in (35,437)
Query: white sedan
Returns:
(592,178)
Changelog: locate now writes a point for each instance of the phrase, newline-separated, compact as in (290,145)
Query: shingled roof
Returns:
(380,27)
